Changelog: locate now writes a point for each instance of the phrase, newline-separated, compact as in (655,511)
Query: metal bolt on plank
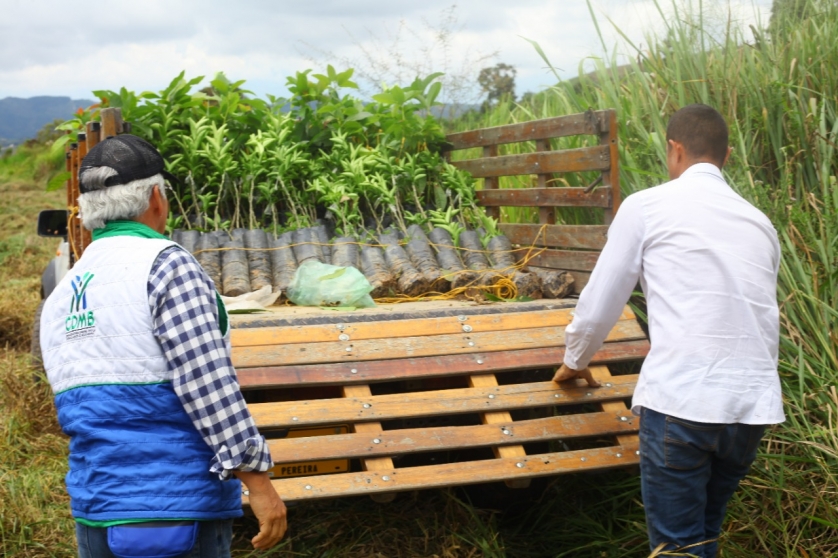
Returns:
(467,328)
(354,370)
(343,337)
(376,441)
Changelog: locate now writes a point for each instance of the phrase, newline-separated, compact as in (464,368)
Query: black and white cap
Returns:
(132,158)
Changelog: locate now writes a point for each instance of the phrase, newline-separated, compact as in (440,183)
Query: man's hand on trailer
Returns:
(566,373)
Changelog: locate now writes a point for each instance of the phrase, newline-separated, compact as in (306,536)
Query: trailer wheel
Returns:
(37,358)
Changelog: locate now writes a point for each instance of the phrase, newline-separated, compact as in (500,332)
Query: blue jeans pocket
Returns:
(755,434)
(689,445)
(157,539)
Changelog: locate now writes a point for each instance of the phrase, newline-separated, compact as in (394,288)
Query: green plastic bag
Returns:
(319,284)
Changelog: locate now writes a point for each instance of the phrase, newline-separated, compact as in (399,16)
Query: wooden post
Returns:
(71,202)
(111,122)
(84,235)
(546,215)
(611,177)
(74,225)
(92,134)
(492,182)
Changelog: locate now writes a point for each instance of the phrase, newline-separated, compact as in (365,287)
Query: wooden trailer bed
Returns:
(433,377)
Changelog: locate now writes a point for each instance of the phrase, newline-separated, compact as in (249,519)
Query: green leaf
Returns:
(360,116)
(247,311)
(58,181)
(543,56)
(384,98)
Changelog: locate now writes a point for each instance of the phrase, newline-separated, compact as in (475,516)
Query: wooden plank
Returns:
(435,403)
(453,474)
(569,160)
(253,337)
(499,417)
(560,126)
(369,429)
(584,237)
(567,260)
(407,347)
(428,367)
(418,440)
(545,197)
(294,316)
(617,408)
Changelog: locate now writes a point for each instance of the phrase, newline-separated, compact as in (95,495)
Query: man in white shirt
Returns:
(707,262)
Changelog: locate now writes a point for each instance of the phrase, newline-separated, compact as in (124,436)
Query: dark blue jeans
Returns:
(214,539)
(688,472)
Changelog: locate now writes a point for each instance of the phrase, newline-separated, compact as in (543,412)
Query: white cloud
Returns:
(58,48)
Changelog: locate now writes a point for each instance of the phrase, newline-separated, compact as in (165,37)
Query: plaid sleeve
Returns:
(185,321)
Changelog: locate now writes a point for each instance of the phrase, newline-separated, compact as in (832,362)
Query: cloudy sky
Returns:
(56,47)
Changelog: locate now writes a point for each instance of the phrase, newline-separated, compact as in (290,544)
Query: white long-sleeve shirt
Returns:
(707,261)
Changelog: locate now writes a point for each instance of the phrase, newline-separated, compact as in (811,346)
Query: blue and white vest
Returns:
(134,452)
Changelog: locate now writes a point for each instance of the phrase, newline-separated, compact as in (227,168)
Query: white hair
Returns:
(126,201)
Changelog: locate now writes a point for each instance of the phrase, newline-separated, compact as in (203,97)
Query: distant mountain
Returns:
(20,119)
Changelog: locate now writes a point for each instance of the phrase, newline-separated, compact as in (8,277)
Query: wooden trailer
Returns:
(432,394)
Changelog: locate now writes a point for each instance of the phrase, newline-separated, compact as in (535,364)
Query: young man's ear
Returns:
(727,156)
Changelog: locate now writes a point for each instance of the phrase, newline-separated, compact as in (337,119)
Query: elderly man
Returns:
(135,345)
(707,261)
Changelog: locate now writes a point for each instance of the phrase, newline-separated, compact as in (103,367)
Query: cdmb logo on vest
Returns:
(81,321)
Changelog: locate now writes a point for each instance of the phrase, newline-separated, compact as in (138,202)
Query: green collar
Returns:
(126,228)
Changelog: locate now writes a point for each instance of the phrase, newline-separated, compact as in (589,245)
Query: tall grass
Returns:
(779,95)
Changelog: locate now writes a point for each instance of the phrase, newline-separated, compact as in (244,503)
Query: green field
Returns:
(778,90)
